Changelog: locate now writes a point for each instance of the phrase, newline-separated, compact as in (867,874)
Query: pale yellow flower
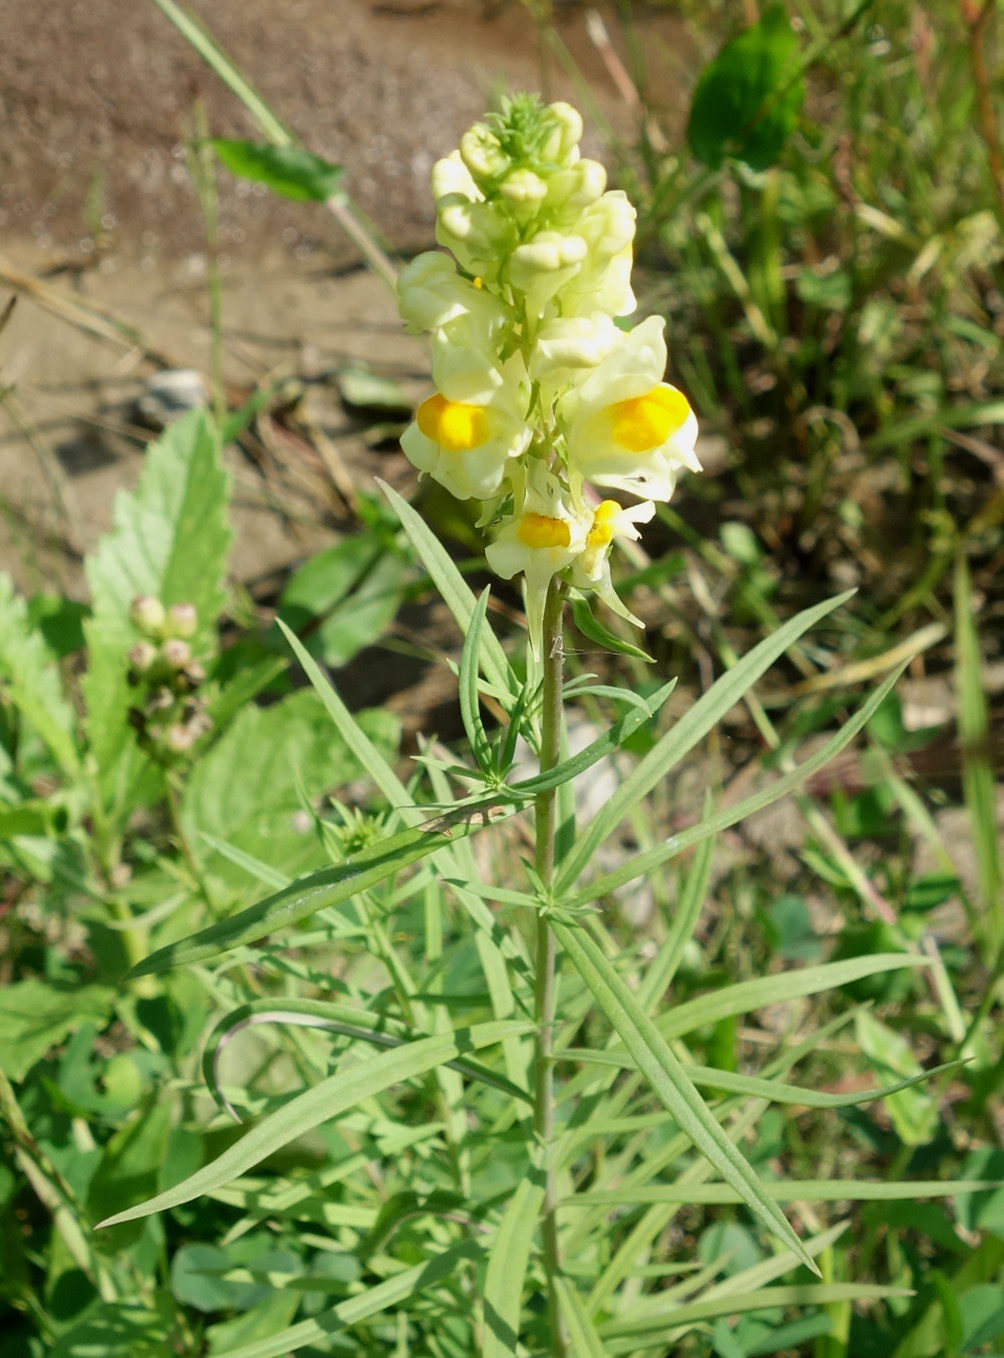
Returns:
(591,568)
(541,541)
(625,427)
(465,434)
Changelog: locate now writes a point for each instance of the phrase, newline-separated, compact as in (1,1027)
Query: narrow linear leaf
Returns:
(470,711)
(347,1313)
(507,1262)
(977,769)
(327,1100)
(612,739)
(378,1029)
(708,1077)
(788,1190)
(669,1081)
(349,729)
(684,735)
(642,864)
(456,592)
(766,1299)
(590,626)
(323,889)
(785,985)
(659,976)
(586,1343)
(217,60)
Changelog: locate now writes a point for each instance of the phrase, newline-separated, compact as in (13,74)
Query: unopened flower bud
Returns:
(182,621)
(179,739)
(561,146)
(524,189)
(147,614)
(482,154)
(449,176)
(143,657)
(549,251)
(176,653)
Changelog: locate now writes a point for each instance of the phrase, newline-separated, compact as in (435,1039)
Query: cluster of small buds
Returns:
(540,395)
(173,715)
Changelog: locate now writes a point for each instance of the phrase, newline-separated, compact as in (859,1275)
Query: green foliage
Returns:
(289,919)
(287,762)
(747,102)
(170,542)
(287,170)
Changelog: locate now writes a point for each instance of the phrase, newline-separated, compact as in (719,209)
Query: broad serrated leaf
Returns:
(747,100)
(36,1015)
(289,171)
(278,750)
(169,540)
(29,678)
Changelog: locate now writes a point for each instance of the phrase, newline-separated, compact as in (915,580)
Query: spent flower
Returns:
(539,391)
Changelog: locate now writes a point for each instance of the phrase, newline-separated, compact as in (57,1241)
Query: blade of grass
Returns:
(977,773)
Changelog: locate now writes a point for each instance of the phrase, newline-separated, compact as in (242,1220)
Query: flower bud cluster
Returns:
(173,713)
(540,394)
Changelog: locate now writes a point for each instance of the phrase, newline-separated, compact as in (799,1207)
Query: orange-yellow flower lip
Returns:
(537,530)
(645,422)
(453,425)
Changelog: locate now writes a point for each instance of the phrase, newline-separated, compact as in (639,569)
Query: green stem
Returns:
(545,812)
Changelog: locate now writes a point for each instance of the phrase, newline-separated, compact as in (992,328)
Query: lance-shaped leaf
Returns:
(321,890)
(706,713)
(289,171)
(507,1263)
(642,864)
(670,1082)
(379,1030)
(326,1100)
(392,1292)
